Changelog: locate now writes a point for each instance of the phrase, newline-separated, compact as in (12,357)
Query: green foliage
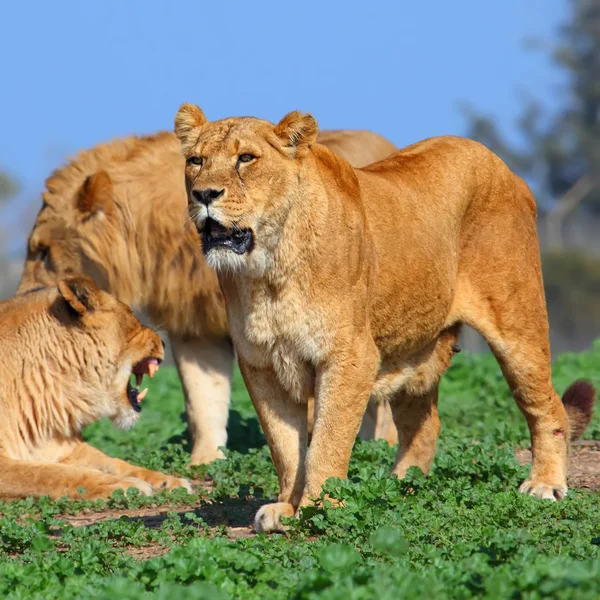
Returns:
(462,532)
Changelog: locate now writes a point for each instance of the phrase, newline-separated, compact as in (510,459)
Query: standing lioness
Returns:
(68,356)
(350,283)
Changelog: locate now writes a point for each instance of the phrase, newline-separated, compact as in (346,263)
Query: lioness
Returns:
(353,283)
(116,213)
(68,355)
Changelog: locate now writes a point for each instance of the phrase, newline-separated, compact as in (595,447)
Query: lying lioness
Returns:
(353,283)
(68,356)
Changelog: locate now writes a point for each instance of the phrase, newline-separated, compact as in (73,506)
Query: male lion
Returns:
(116,213)
(353,283)
(68,355)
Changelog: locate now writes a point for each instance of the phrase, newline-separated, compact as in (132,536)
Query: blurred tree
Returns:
(572,287)
(560,156)
(7,187)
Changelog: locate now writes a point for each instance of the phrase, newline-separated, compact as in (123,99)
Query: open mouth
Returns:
(148,366)
(214,235)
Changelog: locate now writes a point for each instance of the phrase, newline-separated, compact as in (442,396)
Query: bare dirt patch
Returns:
(147,552)
(584,464)
(232,517)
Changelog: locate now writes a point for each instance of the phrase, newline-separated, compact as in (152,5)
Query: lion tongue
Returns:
(147,366)
(152,368)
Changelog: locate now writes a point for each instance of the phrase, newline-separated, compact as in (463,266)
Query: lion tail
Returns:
(578,401)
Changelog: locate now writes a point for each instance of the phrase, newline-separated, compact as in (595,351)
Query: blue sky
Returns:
(76,73)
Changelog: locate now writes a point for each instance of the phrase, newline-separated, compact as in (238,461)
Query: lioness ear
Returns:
(80,293)
(297,129)
(95,194)
(188,118)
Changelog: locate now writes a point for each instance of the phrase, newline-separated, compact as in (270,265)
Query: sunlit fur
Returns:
(118,212)
(367,276)
(68,354)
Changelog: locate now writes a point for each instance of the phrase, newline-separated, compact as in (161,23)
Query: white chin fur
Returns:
(125,419)
(226,261)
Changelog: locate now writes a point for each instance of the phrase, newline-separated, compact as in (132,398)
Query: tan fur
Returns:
(359,148)
(68,354)
(348,283)
(116,212)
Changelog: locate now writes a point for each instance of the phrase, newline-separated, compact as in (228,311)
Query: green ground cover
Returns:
(462,532)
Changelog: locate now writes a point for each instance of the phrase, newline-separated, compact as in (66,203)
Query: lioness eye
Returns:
(42,253)
(246,158)
(195,160)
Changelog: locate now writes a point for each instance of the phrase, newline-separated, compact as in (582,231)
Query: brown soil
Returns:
(232,518)
(147,552)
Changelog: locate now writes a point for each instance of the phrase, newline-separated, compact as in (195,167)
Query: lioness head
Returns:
(114,348)
(241,175)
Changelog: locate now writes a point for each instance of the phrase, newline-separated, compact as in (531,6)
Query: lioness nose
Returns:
(207,195)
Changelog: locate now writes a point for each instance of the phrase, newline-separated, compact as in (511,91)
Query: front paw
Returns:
(179,482)
(205,456)
(268,518)
(106,490)
(539,489)
(165,482)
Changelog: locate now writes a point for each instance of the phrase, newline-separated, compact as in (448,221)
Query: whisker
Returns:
(187,224)
(192,215)
(185,214)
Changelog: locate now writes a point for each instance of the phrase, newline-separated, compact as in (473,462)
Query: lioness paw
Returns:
(268,518)
(202,456)
(161,482)
(133,482)
(172,483)
(543,490)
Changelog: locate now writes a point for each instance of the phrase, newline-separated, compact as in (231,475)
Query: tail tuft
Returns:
(578,400)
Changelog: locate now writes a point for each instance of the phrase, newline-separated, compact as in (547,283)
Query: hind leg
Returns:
(418,424)
(414,405)
(518,336)
(500,293)
(512,319)
(509,311)
(527,370)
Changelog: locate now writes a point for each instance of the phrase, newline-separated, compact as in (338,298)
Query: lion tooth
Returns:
(138,379)
(152,368)
(142,394)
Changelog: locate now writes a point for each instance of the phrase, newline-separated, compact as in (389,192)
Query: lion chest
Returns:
(280,333)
